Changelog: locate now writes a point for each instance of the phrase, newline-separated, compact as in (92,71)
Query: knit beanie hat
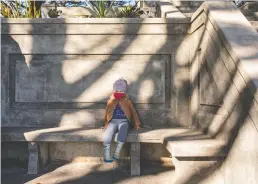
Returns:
(120,85)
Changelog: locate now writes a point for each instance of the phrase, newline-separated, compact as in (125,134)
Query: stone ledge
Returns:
(238,38)
(183,142)
(168,10)
(96,20)
(225,17)
(180,142)
(93,29)
(197,148)
(74,134)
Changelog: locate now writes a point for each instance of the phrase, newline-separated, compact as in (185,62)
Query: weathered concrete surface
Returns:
(224,89)
(54,73)
(78,134)
(224,76)
(255,25)
(41,89)
(94,26)
(196,170)
(135,159)
(222,53)
(44,151)
(45,84)
(17,151)
(66,11)
(33,164)
(93,152)
(81,173)
(69,143)
(186,7)
(168,10)
(197,148)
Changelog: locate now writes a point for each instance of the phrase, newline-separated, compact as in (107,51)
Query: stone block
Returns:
(43,91)
(50,78)
(167,9)
(135,159)
(33,165)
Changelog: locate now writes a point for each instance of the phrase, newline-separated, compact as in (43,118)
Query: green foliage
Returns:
(32,12)
(15,9)
(11,10)
(54,13)
(101,8)
(5,10)
(130,12)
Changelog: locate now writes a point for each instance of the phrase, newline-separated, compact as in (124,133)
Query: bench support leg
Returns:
(135,159)
(38,156)
(33,165)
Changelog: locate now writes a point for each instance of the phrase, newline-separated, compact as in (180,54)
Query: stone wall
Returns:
(220,48)
(224,57)
(59,72)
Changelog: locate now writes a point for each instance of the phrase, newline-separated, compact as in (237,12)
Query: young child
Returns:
(118,117)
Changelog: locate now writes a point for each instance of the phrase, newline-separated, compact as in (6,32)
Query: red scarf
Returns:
(119,96)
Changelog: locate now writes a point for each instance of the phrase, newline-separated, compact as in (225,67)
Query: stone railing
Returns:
(224,80)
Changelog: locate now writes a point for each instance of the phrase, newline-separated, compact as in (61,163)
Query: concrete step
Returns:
(197,148)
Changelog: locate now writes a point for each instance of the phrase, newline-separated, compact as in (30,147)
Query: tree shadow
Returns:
(214,80)
(38,111)
(223,108)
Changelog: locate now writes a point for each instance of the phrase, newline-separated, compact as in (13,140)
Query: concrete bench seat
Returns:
(75,134)
(180,142)
(197,148)
(194,144)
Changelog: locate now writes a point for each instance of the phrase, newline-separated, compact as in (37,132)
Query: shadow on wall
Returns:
(95,77)
(208,77)
(86,87)
(38,59)
(223,108)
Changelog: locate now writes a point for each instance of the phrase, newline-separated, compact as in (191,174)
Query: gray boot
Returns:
(119,146)
(107,157)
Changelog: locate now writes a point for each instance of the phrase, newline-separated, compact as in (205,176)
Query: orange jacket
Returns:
(127,107)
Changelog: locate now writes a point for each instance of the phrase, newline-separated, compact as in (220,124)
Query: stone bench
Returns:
(177,141)
(195,153)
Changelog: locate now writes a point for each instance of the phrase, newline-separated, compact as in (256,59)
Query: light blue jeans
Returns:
(120,125)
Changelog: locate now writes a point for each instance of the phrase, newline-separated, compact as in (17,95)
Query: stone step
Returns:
(197,148)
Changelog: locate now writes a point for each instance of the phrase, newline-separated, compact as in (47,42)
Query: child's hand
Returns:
(137,127)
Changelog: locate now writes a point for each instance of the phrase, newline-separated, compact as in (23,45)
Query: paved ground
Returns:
(87,173)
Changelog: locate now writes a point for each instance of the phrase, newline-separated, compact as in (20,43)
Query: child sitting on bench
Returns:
(118,117)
